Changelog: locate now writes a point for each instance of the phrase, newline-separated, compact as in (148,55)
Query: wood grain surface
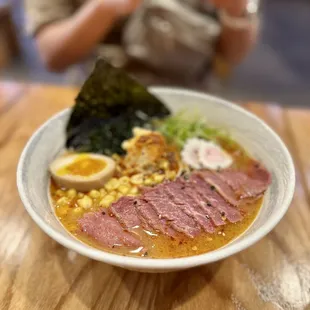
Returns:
(38,273)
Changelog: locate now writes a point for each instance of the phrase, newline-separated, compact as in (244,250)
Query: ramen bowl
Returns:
(245,128)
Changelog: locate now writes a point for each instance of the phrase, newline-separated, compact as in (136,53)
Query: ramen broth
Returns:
(162,246)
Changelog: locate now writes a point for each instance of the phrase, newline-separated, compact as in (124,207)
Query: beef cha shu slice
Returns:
(167,209)
(251,184)
(149,216)
(217,183)
(107,230)
(180,206)
(126,213)
(214,199)
(133,213)
(176,191)
(209,211)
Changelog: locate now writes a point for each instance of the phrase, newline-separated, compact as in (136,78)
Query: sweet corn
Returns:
(106,201)
(60,192)
(94,194)
(80,195)
(124,189)
(103,192)
(71,193)
(137,179)
(112,184)
(63,201)
(124,180)
(113,193)
(148,181)
(134,190)
(164,164)
(86,202)
(158,178)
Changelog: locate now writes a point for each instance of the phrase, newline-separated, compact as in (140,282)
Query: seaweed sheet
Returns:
(109,104)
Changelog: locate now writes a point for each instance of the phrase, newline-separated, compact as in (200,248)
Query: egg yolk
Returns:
(83,166)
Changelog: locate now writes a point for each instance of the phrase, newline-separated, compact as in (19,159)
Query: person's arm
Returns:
(235,42)
(65,42)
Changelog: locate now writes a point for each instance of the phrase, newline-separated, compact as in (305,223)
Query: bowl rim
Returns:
(159,264)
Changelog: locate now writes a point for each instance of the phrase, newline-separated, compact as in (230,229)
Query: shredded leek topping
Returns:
(181,127)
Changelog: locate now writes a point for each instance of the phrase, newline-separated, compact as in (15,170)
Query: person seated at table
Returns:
(66,33)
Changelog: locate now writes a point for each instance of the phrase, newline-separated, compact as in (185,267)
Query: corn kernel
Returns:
(60,192)
(158,178)
(80,195)
(137,179)
(71,193)
(124,180)
(103,192)
(164,164)
(148,181)
(112,184)
(94,194)
(134,190)
(63,201)
(86,202)
(124,189)
(106,201)
(113,193)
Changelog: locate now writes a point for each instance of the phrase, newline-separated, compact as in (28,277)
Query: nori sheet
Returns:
(108,106)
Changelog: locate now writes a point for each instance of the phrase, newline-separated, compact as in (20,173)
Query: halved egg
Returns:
(84,172)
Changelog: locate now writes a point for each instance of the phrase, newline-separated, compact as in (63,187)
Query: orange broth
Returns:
(161,246)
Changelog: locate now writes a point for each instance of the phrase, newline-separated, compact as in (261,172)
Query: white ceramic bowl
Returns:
(247,129)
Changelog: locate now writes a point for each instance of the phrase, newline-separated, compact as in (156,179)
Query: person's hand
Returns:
(232,7)
(235,42)
(122,7)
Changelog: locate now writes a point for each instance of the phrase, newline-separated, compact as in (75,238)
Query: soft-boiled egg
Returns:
(83,172)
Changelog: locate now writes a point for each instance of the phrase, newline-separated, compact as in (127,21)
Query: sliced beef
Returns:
(210,211)
(149,216)
(176,192)
(125,212)
(250,184)
(215,200)
(216,183)
(167,209)
(107,230)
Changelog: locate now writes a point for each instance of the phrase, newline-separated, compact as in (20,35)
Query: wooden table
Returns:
(38,273)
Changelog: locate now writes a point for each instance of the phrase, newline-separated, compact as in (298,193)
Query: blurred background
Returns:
(277,69)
